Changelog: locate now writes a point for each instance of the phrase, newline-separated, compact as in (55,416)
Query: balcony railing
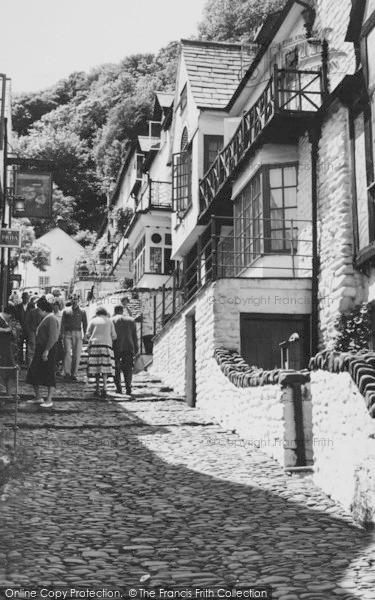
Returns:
(158,194)
(267,248)
(288,92)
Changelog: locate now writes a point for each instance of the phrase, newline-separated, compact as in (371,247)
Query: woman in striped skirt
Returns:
(101,334)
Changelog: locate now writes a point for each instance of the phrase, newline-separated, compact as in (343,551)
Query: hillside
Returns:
(83,122)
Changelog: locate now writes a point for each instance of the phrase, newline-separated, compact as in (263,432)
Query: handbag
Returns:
(139,364)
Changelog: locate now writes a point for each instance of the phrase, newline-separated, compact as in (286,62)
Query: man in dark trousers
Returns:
(20,312)
(125,348)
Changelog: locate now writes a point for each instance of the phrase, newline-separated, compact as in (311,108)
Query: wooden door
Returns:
(261,335)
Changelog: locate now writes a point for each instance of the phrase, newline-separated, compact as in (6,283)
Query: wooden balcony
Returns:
(281,114)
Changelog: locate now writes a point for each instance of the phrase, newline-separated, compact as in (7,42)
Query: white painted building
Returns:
(64,252)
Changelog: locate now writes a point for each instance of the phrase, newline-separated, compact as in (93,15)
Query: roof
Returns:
(214,70)
(59,231)
(165,99)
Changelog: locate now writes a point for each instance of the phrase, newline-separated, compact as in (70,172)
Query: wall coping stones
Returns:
(360,366)
(242,375)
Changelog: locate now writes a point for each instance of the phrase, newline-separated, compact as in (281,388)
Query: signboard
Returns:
(33,195)
(16,277)
(10,238)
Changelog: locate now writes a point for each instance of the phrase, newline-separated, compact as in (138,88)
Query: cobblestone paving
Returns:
(119,490)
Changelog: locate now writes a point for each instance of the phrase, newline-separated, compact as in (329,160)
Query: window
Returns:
(139,260)
(181,176)
(212,146)
(169,265)
(264,212)
(44,281)
(183,99)
(168,239)
(249,223)
(156,257)
(282,206)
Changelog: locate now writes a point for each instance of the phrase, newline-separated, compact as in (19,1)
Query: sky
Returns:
(43,41)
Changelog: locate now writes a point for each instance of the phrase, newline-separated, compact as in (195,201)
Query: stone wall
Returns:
(262,415)
(340,286)
(343,443)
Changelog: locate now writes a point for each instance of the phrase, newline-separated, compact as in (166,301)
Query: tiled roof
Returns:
(214,70)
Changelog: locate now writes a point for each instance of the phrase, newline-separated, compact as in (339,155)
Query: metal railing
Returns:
(266,248)
(288,92)
(157,194)
(250,248)
(168,301)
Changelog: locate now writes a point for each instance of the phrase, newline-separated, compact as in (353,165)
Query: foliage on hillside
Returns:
(235,20)
(83,123)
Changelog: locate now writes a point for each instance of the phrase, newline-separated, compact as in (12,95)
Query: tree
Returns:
(234,20)
(29,251)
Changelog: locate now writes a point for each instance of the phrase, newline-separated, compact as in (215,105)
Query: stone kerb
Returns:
(344,443)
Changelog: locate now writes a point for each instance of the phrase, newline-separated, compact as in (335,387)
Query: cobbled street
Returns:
(120,493)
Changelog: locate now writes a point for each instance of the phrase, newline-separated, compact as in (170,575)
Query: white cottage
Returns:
(64,252)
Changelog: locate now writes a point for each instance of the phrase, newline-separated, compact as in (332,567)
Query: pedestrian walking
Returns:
(10,331)
(32,321)
(56,309)
(42,371)
(125,348)
(100,335)
(21,311)
(73,328)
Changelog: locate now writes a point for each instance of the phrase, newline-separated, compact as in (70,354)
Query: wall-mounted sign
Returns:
(16,277)
(10,238)
(33,195)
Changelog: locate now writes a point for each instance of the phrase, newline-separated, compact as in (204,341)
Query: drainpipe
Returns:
(314,338)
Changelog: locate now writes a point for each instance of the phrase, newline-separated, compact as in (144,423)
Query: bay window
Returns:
(264,213)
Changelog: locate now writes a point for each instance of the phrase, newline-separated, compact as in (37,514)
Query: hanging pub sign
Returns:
(10,238)
(32,195)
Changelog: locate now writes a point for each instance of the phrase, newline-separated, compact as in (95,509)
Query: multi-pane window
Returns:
(139,260)
(169,265)
(44,281)
(156,259)
(249,223)
(212,146)
(181,176)
(282,206)
(264,213)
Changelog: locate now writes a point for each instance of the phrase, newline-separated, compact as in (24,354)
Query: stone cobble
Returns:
(120,492)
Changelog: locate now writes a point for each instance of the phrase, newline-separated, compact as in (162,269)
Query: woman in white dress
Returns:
(100,336)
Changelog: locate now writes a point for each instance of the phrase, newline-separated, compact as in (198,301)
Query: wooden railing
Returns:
(289,91)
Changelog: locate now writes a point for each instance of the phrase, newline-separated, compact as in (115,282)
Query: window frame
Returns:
(183,99)
(206,150)
(253,242)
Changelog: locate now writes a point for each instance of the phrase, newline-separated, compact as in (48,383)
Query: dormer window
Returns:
(183,98)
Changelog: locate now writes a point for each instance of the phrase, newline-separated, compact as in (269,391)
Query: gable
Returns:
(214,70)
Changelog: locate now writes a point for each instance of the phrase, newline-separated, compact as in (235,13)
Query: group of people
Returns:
(47,337)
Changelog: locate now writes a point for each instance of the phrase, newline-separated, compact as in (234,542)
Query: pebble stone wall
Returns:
(340,286)
(261,415)
(343,443)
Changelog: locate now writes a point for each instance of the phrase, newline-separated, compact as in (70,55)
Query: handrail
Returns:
(278,96)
